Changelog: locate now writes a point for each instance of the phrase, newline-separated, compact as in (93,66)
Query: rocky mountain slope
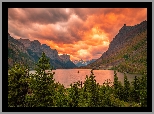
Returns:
(28,52)
(17,53)
(127,52)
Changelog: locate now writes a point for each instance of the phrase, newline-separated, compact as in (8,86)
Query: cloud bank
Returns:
(84,33)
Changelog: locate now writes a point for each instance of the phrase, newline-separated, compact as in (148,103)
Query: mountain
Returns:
(127,51)
(28,52)
(17,53)
(83,63)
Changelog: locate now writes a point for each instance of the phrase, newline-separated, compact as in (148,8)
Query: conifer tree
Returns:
(60,97)
(17,86)
(143,91)
(91,90)
(135,91)
(43,87)
(118,88)
(126,88)
(115,80)
(74,95)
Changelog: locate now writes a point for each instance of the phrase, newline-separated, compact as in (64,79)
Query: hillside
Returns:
(17,53)
(28,52)
(127,52)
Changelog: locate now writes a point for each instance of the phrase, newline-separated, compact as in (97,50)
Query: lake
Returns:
(68,76)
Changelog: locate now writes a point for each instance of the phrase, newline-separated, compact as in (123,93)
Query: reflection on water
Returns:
(68,76)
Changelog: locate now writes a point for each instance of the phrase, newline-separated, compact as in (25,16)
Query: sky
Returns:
(83,33)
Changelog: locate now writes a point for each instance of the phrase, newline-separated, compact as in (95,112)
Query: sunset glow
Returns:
(82,33)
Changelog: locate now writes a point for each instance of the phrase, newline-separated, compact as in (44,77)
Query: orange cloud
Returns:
(84,33)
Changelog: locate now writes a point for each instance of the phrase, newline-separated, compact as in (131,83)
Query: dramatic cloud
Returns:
(84,33)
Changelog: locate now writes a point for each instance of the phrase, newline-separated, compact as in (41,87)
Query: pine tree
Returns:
(43,87)
(139,91)
(74,95)
(126,88)
(17,86)
(60,97)
(135,89)
(115,80)
(143,91)
(91,90)
(118,88)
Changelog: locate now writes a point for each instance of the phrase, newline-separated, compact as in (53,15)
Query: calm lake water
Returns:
(68,76)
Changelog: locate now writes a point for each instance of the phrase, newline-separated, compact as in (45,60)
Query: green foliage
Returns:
(116,83)
(73,95)
(42,84)
(118,88)
(40,90)
(139,91)
(91,88)
(43,64)
(17,85)
(126,57)
(126,88)
(60,96)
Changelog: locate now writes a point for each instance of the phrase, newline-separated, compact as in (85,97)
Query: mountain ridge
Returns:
(31,51)
(82,62)
(127,51)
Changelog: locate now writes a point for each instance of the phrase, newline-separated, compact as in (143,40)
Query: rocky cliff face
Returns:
(35,46)
(126,33)
(15,45)
(65,58)
(25,42)
(52,53)
(34,49)
(17,53)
